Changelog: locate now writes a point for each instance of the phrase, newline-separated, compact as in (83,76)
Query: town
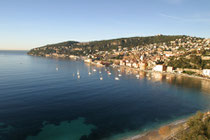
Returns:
(173,54)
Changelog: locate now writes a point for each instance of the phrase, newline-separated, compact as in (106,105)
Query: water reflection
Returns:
(173,79)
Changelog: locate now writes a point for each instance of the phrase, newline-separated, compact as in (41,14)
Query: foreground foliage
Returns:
(198,128)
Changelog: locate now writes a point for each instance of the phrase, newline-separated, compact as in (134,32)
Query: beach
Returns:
(173,128)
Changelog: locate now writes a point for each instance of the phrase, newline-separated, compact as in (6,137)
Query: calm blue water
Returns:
(39,103)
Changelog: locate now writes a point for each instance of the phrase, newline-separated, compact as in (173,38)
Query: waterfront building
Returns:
(206,72)
(160,68)
(170,69)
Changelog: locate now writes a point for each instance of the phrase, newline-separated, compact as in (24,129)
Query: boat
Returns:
(100,72)
(137,76)
(117,78)
(89,73)
(109,73)
(77,72)
(119,70)
(119,75)
(94,70)
(101,78)
(56,68)
(78,76)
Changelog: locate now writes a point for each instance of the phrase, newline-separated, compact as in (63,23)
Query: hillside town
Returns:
(189,55)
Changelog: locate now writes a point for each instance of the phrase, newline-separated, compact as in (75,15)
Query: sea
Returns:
(45,99)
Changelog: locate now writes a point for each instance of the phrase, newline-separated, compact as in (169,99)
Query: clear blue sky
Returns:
(25,24)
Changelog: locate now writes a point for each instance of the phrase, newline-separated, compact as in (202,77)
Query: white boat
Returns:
(56,68)
(137,76)
(109,73)
(119,75)
(94,70)
(100,72)
(78,76)
(117,78)
(77,72)
(119,70)
(101,78)
(89,73)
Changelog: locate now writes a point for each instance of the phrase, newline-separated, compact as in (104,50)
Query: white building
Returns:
(135,65)
(206,72)
(129,64)
(170,69)
(159,68)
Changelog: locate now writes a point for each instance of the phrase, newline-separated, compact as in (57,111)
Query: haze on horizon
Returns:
(27,24)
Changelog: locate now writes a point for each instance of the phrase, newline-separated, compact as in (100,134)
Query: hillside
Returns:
(76,48)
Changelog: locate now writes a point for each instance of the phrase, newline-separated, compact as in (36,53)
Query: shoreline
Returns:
(135,69)
(171,73)
(153,134)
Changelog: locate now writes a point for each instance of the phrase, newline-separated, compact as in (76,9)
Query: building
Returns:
(206,72)
(170,69)
(135,65)
(129,64)
(143,66)
(122,63)
(160,68)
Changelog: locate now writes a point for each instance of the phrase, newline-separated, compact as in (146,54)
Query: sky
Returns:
(26,24)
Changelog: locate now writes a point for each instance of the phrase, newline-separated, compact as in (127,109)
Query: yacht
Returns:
(78,76)
(119,75)
(89,73)
(101,78)
(94,70)
(117,78)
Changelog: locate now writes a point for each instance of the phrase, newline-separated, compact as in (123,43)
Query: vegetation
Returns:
(198,128)
(193,62)
(189,72)
(104,45)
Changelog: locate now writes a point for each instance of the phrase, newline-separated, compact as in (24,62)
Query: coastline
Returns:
(154,133)
(135,69)
(171,73)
